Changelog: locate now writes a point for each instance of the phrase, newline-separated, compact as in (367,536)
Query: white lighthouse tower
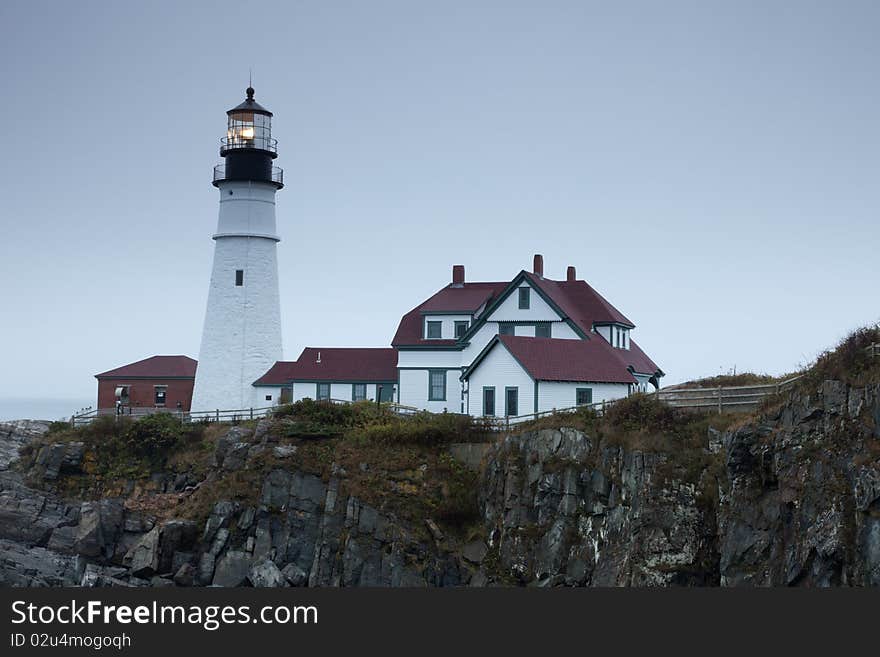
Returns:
(242,333)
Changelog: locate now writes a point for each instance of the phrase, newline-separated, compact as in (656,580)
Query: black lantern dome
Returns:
(248,147)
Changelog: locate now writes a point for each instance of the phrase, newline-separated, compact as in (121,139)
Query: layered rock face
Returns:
(802,500)
(792,498)
(302,533)
(561,511)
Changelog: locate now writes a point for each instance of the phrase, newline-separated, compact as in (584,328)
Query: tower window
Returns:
(239,277)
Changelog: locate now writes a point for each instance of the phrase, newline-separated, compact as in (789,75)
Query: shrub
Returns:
(154,434)
(58,427)
(424,429)
(320,412)
(583,419)
(309,429)
(641,411)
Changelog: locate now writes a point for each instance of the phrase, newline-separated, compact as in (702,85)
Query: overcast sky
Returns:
(710,167)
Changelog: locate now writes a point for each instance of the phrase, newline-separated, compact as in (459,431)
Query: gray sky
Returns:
(710,167)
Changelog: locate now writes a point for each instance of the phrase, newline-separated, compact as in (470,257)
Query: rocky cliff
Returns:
(787,497)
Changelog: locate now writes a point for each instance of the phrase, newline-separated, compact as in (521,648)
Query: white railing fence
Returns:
(217,415)
(720,398)
(723,398)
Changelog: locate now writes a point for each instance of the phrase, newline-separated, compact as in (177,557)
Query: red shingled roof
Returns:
(576,299)
(637,359)
(365,365)
(580,302)
(155,367)
(555,359)
(466,299)
(279,374)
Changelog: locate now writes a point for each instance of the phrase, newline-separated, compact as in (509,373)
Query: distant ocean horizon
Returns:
(41,408)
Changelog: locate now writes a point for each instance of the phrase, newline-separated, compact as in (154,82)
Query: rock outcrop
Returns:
(788,498)
(802,502)
(561,511)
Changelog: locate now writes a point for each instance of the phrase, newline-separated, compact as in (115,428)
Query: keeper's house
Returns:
(502,348)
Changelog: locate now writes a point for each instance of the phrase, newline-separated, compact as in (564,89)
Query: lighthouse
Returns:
(241,338)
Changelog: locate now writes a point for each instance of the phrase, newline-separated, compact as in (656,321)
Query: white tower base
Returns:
(242,331)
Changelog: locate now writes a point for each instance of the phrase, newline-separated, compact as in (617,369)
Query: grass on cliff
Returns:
(118,451)
(730,380)
(398,464)
(849,361)
(367,423)
(643,423)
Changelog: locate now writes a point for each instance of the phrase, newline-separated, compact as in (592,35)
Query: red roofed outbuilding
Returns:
(158,382)
(344,373)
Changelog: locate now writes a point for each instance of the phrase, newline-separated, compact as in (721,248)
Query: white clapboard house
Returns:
(497,349)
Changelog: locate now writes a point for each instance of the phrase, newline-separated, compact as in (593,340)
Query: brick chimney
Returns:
(570,274)
(538,268)
(458,275)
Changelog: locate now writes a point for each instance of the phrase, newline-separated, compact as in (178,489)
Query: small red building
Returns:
(158,382)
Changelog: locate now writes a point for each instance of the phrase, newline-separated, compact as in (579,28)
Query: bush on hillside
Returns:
(849,361)
(641,411)
(156,433)
(424,429)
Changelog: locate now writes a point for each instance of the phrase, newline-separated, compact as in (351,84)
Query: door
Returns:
(386,392)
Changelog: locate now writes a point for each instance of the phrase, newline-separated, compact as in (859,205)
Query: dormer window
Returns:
(524,298)
(433,330)
(461,328)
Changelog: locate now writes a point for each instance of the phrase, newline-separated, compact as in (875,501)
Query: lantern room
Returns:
(248,147)
(249,125)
